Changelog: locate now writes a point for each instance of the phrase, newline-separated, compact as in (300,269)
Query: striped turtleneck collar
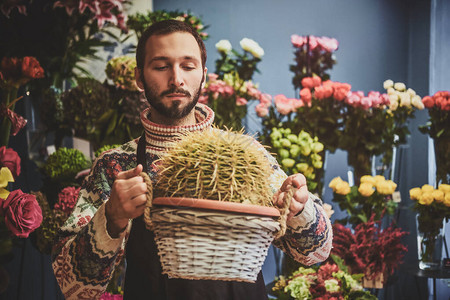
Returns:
(159,137)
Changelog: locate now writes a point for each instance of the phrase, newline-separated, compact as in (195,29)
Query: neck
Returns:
(159,134)
(157,118)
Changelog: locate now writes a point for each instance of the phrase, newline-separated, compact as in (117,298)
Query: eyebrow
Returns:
(165,58)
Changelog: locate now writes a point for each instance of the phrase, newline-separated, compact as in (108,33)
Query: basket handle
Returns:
(148,204)
(284,211)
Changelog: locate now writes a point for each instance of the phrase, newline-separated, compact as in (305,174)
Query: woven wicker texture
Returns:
(212,245)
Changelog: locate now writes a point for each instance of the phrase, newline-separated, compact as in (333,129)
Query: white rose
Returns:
(223,46)
(393,102)
(417,102)
(252,47)
(400,86)
(391,91)
(388,84)
(411,92)
(405,100)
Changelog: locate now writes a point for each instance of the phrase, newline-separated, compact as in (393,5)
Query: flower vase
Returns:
(430,237)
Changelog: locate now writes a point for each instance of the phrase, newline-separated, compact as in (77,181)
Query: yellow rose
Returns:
(415,193)
(367,179)
(334,182)
(426,198)
(426,188)
(379,178)
(444,187)
(342,188)
(386,187)
(438,195)
(366,189)
(447,199)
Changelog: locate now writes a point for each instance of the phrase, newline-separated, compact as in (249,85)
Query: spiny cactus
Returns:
(217,165)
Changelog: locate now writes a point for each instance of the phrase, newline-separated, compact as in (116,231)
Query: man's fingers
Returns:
(130,173)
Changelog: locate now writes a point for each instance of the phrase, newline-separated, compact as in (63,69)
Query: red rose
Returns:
(317,81)
(22,213)
(305,95)
(428,101)
(31,68)
(10,159)
(10,68)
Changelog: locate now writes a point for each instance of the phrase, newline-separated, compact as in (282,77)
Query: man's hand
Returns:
(127,200)
(300,197)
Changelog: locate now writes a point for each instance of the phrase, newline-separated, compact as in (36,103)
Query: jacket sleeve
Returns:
(84,255)
(309,235)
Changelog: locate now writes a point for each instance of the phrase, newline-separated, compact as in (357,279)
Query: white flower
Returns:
(400,86)
(411,92)
(252,47)
(405,100)
(417,102)
(223,46)
(393,102)
(391,91)
(388,84)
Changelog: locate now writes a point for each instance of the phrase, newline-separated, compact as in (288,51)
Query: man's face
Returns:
(172,75)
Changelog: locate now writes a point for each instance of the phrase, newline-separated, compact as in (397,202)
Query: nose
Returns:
(176,77)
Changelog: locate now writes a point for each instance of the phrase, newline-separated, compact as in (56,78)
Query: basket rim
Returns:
(218,205)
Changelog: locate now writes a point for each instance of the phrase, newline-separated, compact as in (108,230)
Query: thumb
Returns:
(130,173)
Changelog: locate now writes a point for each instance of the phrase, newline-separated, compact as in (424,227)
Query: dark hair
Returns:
(163,28)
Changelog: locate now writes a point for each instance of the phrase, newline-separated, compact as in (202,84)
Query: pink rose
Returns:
(305,95)
(297,41)
(296,104)
(10,159)
(22,213)
(283,104)
(203,99)
(317,81)
(241,101)
(261,110)
(212,77)
(328,44)
(353,98)
(265,99)
(307,82)
(366,102)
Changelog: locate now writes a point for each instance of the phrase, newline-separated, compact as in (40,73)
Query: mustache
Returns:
(175,91)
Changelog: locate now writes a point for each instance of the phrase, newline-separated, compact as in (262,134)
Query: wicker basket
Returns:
(208,239)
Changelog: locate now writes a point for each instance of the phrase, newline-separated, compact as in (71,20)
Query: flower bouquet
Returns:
(213,187)
(313,57)
(325,282)
(14,73)
(20,213)
(432,207)
(437,128)
(373,197)
(140,21)
(370,250)
(230,87)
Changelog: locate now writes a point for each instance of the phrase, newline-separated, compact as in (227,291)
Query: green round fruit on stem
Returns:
(283,153)
(288,162)
(285,143)
(302,167)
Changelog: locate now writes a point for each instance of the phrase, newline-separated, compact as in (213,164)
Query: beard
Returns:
(175,110)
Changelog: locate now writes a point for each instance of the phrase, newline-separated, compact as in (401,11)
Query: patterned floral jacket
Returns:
(85,256)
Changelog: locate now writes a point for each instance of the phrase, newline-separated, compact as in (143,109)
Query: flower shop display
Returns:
(230,87)
(432,207)
(121,71)
(327,281)
(373,196)
(370,250)
(14,73)
(212,187)
(298,153)
(140,21)
(20,213)
(438,106)
(313,57)
(65,34)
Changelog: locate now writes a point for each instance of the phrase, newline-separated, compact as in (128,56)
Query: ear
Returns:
(138,76)
(204,77)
